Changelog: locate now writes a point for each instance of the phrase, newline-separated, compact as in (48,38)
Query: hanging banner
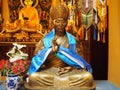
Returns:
(87,15)
(101,6)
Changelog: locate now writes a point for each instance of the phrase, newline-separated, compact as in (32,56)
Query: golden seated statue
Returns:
(56,64)
(28,17)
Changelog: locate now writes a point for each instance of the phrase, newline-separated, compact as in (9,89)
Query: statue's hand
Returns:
(54,45)
(43,66)
(64,70)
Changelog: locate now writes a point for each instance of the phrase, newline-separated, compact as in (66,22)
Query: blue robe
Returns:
(67,55)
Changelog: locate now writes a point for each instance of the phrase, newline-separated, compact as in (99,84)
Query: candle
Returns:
(98,36)
(96,20)
(86,4)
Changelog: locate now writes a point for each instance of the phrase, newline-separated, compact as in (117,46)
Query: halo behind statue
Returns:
(34,4)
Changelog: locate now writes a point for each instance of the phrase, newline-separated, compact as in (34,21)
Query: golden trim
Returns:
(10,43)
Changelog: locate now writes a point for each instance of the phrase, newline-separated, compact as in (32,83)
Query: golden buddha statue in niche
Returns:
(28,15)
(56,63)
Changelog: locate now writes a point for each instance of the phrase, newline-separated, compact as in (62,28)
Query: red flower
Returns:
(14,69)
(2,62)
(7,63)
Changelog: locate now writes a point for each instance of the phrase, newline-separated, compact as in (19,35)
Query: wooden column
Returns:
(5,10)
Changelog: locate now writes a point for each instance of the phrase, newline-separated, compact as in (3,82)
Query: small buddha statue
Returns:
(28,15)
(56,63)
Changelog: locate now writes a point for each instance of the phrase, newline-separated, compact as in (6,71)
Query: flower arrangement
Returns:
(17,62)
(18,67)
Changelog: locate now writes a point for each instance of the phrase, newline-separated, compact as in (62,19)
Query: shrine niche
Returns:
(27,23)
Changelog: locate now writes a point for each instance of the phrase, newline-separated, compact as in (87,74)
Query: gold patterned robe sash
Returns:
(87,18)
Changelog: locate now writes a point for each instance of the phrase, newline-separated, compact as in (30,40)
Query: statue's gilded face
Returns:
(28,2)
(60,24)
